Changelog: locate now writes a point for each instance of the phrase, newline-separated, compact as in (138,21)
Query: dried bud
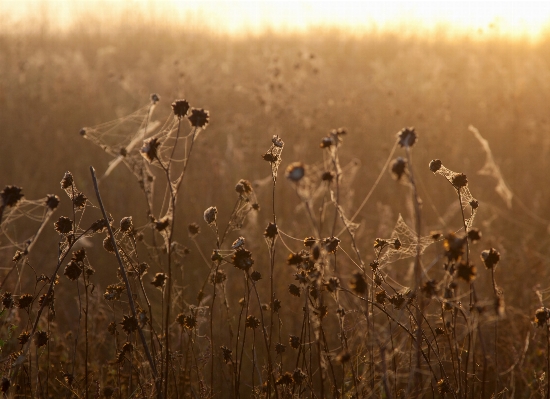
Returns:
(407,137)
(490,258)
(210,215)
(126,224)
(435,165)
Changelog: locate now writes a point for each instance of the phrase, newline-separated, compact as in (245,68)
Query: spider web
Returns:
(242,208)
(466,198)
(275,152)
(491,169)
(19,221)
(409,241)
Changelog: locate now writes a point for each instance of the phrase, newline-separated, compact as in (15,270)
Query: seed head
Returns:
(277,141)
(358,283)
(199,117)
(7,300)
(64,225)
(279,348)
(271,230)
(160,280)
(294,341)
(252,322)
(149,149)
(331,244)
(407,137)
(126,224)
(430,289)
(294,290)
(218,277)
(256,276)
(381,297)
(162,224)
(542,315)
(193,229)
(474,235)
(276,305)
(285,379)
(309,241)
(210,215)
(52,201)
(226,352)
(243,187)
(435,165)
(459,180)
(41,338)
(490,258)
(155,98)
(454,246)
(238,243)
(11,195)
(298,376)
(25,301)
(72,270)
(113,292)
(24,337)
(108,245)
(474,204)
(399,167)
(242,259)
(67,180)
(79,200)
(129,324)
(295,172)
(466,271)
(180,108)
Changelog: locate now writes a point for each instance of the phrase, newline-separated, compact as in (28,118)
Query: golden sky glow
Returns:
(514,18)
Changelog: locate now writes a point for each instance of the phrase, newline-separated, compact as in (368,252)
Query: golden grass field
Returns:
(343,316)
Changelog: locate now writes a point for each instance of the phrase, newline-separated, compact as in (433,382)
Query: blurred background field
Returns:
(298,85)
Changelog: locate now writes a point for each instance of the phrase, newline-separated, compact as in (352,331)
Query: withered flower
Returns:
(112,328)
(52,201)
(295,259)
(252,322)
(435,165)
(474,235)
(129,324)
(7,300)
(271,230)
(242,259)
(72,270)
(295,172)
(381,297)
(380,243)
(294,341)
(199,117)
(180,108)
(64,225)
(333,284)
(285,379)
(41,338)
(358,283)
(79,200)
(294,290)
(210,215)
(226,352)
(218,277)
(279,348)
(25,301)
(149,149)
(331,244)
(162,224)
(542,315)
(243,187)
(67,180)
(398,167)
(490,258)
(238,243)
(407,137)
(309,241)
(113,292)
(276,305)
(454,246)
(256,276)
(108,245)
(459,180)
(466,271)
(298,376)
(155,98)
(79,255)
(24,337)
(430,289)
(126,224)
(193,230)
(160,280)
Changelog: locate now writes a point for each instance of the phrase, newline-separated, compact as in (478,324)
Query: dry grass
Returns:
(222,274)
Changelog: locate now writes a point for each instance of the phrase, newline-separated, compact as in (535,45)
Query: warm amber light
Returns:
(512,18)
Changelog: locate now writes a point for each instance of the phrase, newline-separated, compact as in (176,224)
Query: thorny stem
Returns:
(127,284)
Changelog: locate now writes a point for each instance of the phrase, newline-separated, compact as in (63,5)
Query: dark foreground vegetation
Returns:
(282,232)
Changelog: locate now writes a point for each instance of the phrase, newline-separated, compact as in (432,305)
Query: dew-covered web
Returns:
(245,204)
(22,223)
(491,169)
(273,155)
(468,202)
(408,241)
(350,226)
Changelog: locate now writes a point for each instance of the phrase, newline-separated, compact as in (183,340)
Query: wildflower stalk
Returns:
(127,284)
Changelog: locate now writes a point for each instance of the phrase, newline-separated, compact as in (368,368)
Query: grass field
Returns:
(368,269)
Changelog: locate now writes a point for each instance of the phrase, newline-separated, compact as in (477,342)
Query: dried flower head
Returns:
(155,98)
(277,141)
(193,229)
(294,290)
(199,117)
(67,180)
(399,167)
(150,148)
(64,225)
(430,289)
(269,157)
(380,243)
(180,108)
(298,376)
(5,385)
(126,224)
(256,276)
(41,338)
(226,353)
(407,137)
(331,244)
(454,246)
(210,215)
(72,270)
(358,283)
(271,230)
(295,172)
(443,386)
(218,277)
(381,297)
(326,142)
(242,259)
(279,348)
(11,195)
(542,315)
(252,322)
(162,224)
(459,180)
(25,301)
(276,305)
(435,165)
(160,280)
(474,235)
(238,243)
(24,337)
(129,324)
(243,187)
(490,258)
(466,271)
(108,245)
(435,235)
(79,200)
(7,300)
(113,291)
(333,284)
(99,226)
(285,379)
(294,341)
(79,255)
(474,204)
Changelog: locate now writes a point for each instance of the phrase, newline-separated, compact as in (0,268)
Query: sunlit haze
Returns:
(483,19)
